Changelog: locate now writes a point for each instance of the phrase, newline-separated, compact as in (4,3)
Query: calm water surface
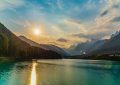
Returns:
(60,72)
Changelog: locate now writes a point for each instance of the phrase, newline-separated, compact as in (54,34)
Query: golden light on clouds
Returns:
(35,29)
(40,34)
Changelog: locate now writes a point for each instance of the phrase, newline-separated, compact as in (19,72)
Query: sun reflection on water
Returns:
(33,80)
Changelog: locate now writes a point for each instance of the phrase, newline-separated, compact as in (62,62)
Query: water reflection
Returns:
(60,72)
(33,80)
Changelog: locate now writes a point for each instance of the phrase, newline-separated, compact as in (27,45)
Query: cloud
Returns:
(107,20)
(62,40)
(59,4)
(102,26)
(82,20)
(96,36)
(76,25)
(116,19)
(87,31)
(110,9)
(6,4)
(106,37)
(74,21)
(104,13)
(59,44)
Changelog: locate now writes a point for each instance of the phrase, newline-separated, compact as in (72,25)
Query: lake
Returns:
(60,72)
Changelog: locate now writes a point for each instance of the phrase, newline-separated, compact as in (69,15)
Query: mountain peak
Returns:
(115,34)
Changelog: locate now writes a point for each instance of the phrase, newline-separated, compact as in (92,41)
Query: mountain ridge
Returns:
(45,46)
(111,45)
(12,46)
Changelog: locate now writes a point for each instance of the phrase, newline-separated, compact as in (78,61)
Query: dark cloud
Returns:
(116,19)
(91,36)
(116,6)
(55,43)
(104,13)
(62,40)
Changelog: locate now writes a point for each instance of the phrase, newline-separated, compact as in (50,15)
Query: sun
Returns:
(37,31)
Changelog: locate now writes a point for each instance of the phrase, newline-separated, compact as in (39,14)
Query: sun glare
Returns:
(33,75)
(37,31)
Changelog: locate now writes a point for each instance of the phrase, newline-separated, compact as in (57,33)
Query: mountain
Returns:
(86,47)
(80,48)
(12,46)
(108,46)
(108,49)
(111,46)
(45,46)
(96,45)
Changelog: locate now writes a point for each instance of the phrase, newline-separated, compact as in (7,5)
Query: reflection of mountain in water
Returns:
(61,72)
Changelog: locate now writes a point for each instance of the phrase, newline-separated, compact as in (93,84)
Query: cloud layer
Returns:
(62,22)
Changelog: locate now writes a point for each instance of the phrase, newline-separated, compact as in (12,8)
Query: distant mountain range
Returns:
(109,46)
(13,46)
(45,46)
(24,48)
(87,47)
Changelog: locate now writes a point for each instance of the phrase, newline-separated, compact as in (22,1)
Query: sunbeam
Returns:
(33,80)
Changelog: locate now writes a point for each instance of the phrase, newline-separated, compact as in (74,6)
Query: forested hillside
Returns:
(12,46)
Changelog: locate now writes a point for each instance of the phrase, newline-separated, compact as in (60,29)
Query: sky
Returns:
(61,22)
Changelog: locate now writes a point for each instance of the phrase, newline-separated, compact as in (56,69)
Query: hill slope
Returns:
(45,46)
(12,46)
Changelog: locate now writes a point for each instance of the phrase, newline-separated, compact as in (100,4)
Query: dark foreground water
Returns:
(60,72)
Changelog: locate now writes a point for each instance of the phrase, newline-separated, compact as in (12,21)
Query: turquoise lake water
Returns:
(60,72)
